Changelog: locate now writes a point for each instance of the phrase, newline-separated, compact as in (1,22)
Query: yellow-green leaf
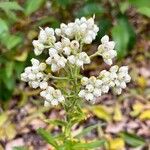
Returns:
(10,131)
(116,144)
(141,81)
(137,108)
(3,118)
(102,113)
(145,115)
(22,57)
(117,113)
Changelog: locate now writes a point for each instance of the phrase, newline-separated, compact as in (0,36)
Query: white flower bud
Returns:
(35,62)
(84,81)
(87,39)
(42,66)
(74,44)
(89,87)
(34,84)
(97,92)
(67,50)
(52,52)
(72,59)
(89,96)
(43,85)
(82,93)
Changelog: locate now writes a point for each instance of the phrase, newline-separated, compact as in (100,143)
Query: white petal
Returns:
(105,39)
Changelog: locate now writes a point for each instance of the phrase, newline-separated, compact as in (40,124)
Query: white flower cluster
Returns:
(65,45)
(46,37)
(52,96)
(80,59)
(106,50)
(34,75)
(82,29)
(115,78)
(92,88)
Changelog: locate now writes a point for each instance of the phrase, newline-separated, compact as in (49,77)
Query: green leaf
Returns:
(19,67)
(124,36)
(89,145)
(10,6)
(64,3)
(86,130)
(11,41)
(57,122)
(32,6)
(123,6)
(144,11)
(132,139)
(19,148)
(104,26)
(9,69)
(47,137)
(140,3)
(5,93)
(90,9)
(3,26)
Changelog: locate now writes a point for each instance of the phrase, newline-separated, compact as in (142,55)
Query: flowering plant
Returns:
(69,88)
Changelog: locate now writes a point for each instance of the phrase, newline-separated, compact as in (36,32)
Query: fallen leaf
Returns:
(116,144)
(117,113)
(101,112)
(145,115)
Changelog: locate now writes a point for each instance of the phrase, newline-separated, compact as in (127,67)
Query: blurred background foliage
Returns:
(126,21)
(20,19)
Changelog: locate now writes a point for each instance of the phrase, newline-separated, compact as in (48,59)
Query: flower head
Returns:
(34,75)
(52,96)
(106,50)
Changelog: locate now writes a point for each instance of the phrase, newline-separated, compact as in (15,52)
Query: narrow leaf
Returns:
(144,11)
(47,137)
(132,139)
(32,6)
(10,6)
(86,130)
(3,26)
(89,145)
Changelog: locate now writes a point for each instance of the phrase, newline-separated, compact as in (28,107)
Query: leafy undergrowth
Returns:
(124,121)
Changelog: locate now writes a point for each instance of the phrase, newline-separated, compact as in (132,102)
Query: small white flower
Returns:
(84,81)
(34,74)
(84,57)
(67,50)
(106,50)
(72,59)
(97,92)
(90,88)
(52,96)
(46,36)
(58,31)
(87,39)
(38,47)
(74,45)
(89,97)
(43,85)
(82,93)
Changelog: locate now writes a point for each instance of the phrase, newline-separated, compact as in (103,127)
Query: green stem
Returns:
(93,55)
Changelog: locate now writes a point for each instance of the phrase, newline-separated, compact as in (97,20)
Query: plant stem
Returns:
(93,55)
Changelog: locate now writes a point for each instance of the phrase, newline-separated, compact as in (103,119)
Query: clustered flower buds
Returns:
(116,78)
(82,29)
(106,50)
(34,75)
(64,47)
(52,96)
